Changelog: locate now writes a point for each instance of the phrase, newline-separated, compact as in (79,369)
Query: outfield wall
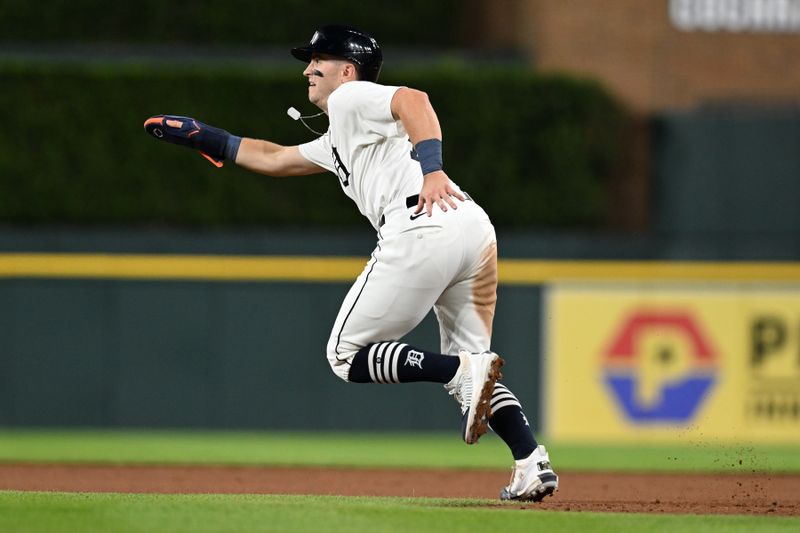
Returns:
(209,341)
(596,349)
(211,354)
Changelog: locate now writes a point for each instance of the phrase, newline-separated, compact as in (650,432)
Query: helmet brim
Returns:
(303,53)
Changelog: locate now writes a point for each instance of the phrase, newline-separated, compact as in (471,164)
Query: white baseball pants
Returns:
(447,262)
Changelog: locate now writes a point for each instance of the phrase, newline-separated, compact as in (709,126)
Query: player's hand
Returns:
(186,131)
(437,189)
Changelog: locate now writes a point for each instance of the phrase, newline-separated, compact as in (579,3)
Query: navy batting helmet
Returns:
(348,43)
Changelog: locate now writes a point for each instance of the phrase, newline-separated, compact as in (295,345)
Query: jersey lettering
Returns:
(341,170)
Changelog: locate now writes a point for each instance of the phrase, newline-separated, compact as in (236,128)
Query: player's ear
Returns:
(350,71)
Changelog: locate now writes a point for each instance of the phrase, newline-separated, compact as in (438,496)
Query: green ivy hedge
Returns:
(532,149)
(229,22)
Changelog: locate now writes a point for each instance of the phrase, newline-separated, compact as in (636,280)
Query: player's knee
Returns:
(340,363)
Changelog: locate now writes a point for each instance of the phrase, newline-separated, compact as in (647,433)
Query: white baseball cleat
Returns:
(472,387)
(531,479)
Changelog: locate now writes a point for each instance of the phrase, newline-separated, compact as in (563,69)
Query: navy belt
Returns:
(413,201)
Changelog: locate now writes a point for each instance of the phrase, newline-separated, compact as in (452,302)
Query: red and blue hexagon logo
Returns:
(660,366)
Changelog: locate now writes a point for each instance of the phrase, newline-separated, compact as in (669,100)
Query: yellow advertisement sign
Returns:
(670,362)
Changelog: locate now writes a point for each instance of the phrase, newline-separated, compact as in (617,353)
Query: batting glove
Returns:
(214,144)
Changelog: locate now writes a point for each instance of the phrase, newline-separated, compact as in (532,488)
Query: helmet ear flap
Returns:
(369,72)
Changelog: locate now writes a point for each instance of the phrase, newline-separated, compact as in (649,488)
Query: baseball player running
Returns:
(436,246)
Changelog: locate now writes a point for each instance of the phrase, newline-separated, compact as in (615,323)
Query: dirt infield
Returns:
(767,494)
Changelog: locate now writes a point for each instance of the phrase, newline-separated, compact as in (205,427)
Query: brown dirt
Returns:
(767,494)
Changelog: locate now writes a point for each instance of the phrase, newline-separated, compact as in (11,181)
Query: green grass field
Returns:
(38,511)
(374,450)
(35,511)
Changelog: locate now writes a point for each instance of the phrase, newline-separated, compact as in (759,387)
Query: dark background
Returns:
(579,145)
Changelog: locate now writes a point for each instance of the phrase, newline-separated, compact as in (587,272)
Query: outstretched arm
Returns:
(414,110)
(273,159)
(217,145)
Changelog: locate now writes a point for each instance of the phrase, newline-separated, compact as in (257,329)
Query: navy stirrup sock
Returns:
(510,424)
(396,362)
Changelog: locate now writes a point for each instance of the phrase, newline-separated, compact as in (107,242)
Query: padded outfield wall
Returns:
(217,331)
(210,341)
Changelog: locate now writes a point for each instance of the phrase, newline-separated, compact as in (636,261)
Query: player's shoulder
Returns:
(358,91)
(358,86)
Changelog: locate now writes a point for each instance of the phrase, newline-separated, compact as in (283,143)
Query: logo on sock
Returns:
(414,358)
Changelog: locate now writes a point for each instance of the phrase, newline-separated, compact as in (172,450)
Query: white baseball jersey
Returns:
(367,148)
(447,261)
